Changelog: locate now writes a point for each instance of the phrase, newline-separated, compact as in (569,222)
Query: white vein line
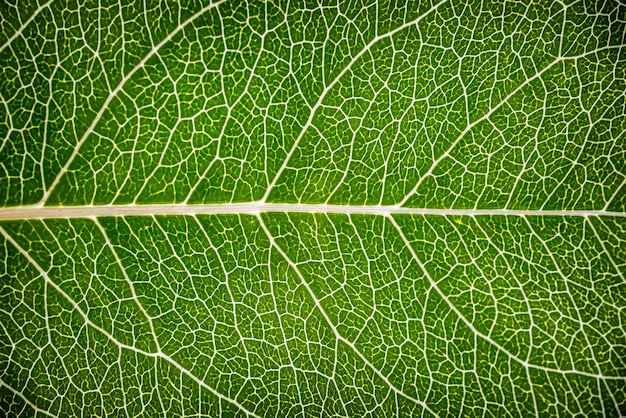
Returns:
(46,212)
(616,191)
(494,109)
(129,282)
(604,248)
(471,126)
(19,31)
(327,89)
(88,321)
(114,92)
(332,327)
(286,341)
(486,338)
(26,400)
(567,281)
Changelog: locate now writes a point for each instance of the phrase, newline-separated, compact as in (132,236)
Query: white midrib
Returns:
(253,208)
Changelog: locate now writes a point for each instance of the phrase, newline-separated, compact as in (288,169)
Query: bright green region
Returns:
(289,314)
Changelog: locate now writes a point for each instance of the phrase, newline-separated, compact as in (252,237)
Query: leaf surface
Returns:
(342,209)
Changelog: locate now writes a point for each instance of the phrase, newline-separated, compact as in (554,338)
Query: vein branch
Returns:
(110,337)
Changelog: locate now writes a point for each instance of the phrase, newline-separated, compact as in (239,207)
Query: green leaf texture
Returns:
(294,209)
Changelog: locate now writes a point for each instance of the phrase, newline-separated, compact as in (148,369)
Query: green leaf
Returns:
(355,208)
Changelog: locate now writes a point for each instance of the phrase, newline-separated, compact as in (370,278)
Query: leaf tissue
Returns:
(313,208)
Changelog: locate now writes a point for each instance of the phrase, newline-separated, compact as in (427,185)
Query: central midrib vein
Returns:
(34,212)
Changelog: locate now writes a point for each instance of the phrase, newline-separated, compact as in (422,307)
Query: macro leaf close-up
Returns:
(363,208)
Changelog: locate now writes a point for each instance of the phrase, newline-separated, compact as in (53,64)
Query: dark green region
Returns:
(439,105)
